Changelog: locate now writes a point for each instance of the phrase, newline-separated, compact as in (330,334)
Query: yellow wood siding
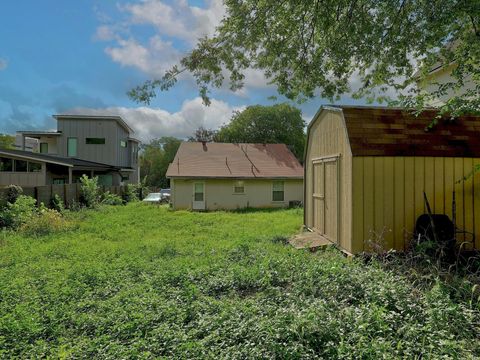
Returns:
(388,197)
(328,137)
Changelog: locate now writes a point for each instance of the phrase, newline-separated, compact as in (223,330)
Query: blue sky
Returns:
(60,56)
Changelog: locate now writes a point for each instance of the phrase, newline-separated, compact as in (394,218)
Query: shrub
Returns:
(12,193)
(89,191)
(130,194)
(111,199)
(16,214)
(57,203)
(46,222)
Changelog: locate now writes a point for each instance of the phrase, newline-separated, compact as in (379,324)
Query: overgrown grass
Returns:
(144,282)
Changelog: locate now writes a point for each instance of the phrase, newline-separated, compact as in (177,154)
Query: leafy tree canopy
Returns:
(155,158)
(281,123)
(314,48)
(7,141)
(202,134)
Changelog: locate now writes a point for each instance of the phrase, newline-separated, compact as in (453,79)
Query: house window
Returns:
(72,146)
(43,148)
(21,166)
(125,178)
(198,196)
(95,141)
(278,193)
(34,167)
(58,181)
(6,164)
(239,187)
(123,143)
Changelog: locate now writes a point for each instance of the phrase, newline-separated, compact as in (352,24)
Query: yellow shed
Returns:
(366,169)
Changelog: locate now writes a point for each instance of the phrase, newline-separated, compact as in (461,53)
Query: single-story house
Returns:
(209,176)
(29,169)
(366,169)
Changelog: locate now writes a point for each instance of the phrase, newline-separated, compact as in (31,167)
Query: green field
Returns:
(141,281)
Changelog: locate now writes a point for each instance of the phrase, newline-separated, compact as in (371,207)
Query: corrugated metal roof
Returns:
(226,160)
(380,131)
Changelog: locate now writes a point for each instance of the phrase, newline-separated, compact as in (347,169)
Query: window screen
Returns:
(239,187)
(21,166)
(6,164)
(278,191)
(34,167)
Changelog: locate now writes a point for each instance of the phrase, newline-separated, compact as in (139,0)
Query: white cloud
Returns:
(150,123)
(152,59)
(3,64)
(180,23)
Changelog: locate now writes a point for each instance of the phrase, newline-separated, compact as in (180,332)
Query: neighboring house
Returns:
(209,176)
(30,144)
(366,169)
(100,146)
(438,75)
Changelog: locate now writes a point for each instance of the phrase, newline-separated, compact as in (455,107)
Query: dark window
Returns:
(58,181)
(6,164)
(125,178)
(95,141)
(34,167)
(44,148)
(21,166)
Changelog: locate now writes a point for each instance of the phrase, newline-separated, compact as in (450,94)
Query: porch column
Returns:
(70,175)
(91,174)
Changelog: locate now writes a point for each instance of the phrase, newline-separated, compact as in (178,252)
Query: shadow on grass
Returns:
(249,210)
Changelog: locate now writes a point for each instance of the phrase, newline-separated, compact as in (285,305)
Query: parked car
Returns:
(165,194)
(161,197)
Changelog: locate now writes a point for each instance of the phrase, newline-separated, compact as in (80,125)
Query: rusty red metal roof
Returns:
(380,131)
(227,160)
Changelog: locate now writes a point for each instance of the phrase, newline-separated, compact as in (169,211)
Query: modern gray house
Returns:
(100,146)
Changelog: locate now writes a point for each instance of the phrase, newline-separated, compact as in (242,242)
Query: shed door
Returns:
(325,197)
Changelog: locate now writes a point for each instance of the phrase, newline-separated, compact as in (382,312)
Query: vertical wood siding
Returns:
(327,136)
(388,197)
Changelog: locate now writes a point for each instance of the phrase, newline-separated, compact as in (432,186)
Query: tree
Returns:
(202,134)
(155,158)
(7,141)
(281,123)
(314,48)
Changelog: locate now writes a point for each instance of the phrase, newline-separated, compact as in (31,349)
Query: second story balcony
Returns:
(47,141)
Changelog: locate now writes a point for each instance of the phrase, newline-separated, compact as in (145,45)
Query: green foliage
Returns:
(203,134)
(7,141)
(155,158)
(89,191)
(46,222)
(281,123)
(12,193)
(313,48)
(57,203)
(15,215)
(111,199)
(138,281)
(130,193)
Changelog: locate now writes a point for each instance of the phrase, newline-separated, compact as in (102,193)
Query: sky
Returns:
(82,57)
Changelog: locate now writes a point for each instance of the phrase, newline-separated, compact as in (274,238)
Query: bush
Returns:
(89,191)
(46,222)
(16,214)
(57,203)
(111,199)
(12,193)
(131,193)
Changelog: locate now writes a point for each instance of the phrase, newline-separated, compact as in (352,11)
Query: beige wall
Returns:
(443,76)
(327,136)
(219,193)
(388,196)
